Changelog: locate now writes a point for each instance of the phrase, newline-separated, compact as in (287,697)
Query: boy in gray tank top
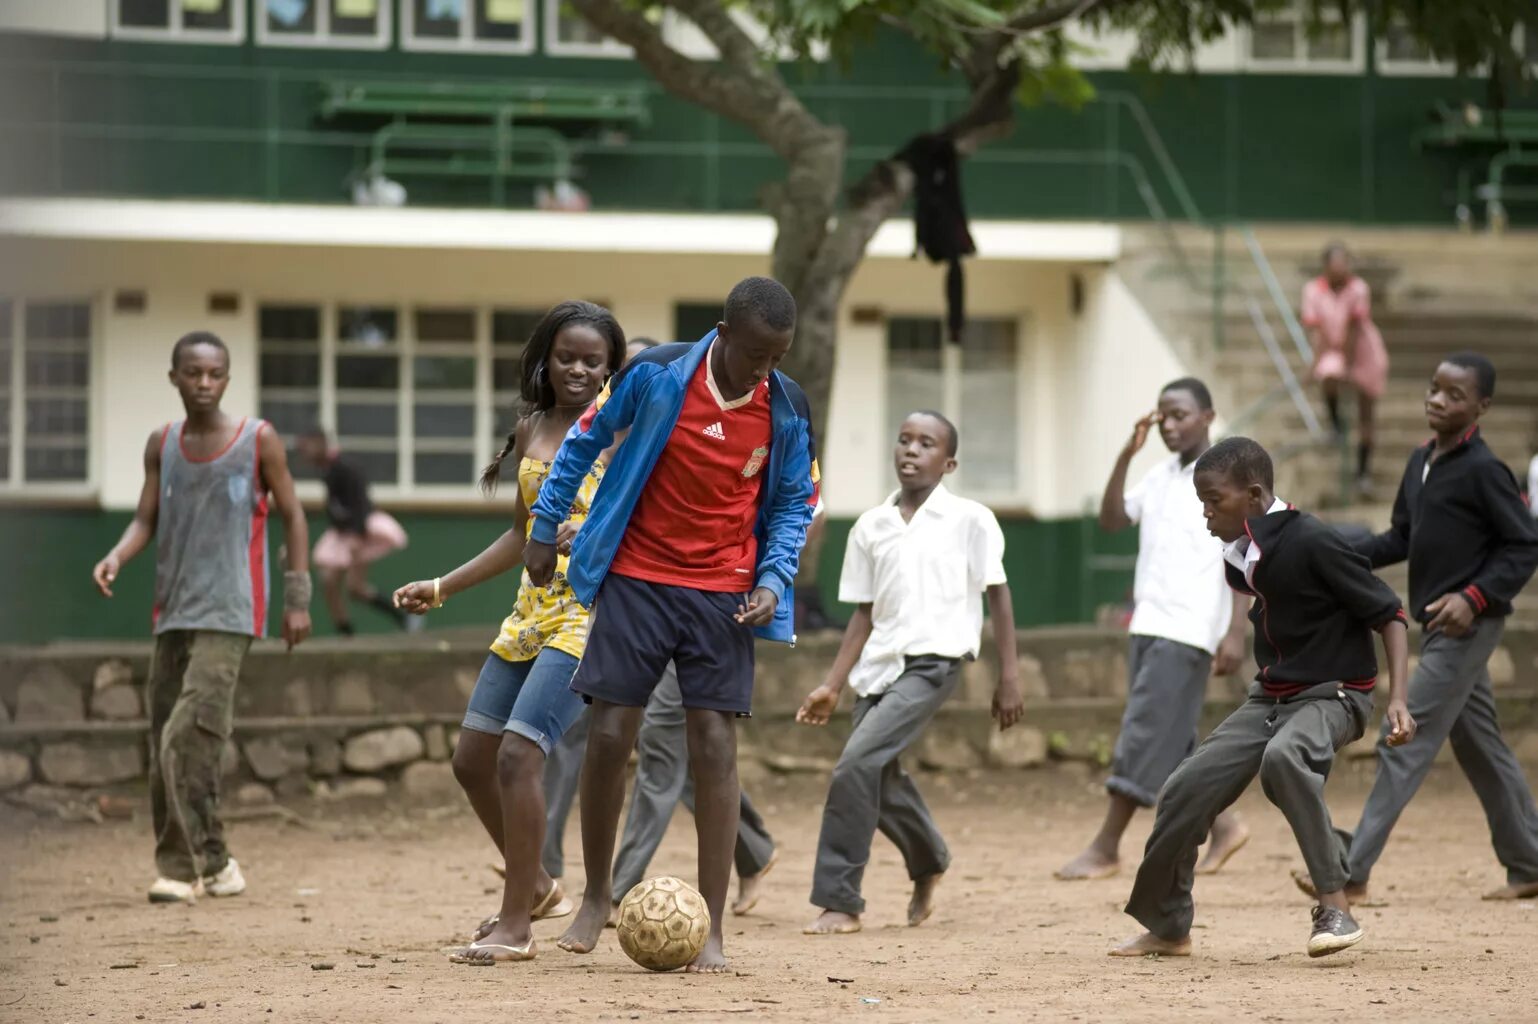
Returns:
(208,480)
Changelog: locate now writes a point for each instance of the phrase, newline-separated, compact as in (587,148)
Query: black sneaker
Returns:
(1334,930)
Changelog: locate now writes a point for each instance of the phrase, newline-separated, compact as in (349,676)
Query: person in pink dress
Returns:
(1348,350)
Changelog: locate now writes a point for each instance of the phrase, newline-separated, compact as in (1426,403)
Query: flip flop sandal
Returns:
(500,953)
(555,904)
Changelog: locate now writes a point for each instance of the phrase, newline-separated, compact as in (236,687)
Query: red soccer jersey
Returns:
(693,524)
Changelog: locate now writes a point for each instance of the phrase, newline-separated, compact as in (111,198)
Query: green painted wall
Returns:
(47,555)
(86,117)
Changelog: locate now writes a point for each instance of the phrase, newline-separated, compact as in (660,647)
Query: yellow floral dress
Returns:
(547,616)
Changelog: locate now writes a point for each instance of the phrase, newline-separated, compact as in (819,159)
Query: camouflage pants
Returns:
(191,697)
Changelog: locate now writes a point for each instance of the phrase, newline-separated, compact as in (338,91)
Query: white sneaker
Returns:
(229,882)
(169,890)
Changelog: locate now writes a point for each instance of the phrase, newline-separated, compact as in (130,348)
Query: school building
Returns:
(345,191)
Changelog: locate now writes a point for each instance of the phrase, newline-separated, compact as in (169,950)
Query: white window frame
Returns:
(1356,64)
(176,33)
(948,400)
(467,42)
(16,483)
(322,37)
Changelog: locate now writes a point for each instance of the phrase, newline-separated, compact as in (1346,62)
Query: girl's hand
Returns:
(565,534)
(415,598)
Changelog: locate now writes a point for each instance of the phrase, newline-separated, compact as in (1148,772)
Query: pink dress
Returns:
(1332,313)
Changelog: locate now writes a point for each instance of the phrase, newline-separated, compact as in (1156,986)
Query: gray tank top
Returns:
(211,537)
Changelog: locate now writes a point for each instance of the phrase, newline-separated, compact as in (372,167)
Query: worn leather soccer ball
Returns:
(663,923)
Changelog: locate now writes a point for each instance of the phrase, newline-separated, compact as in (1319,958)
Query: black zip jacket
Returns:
(1465,529)
(1318,606)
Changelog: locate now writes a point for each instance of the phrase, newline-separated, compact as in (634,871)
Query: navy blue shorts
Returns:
(638,627)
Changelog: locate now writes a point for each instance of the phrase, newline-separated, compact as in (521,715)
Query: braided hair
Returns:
(536,392)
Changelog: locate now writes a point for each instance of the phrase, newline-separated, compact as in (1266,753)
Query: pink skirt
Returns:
(337,550)
(1368,372)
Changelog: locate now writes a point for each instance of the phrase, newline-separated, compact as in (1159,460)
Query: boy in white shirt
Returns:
(916,567)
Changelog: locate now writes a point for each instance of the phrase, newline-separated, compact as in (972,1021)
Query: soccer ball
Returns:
(663,923)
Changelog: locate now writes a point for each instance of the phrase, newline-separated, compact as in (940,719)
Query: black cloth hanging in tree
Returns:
(940,218)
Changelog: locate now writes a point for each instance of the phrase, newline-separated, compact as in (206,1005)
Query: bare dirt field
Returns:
(380,892)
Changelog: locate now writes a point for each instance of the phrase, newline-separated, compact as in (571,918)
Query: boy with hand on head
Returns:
(1317,605)
(1186,626)
(1460,520)
(207,479)
(689,550)
(917,567)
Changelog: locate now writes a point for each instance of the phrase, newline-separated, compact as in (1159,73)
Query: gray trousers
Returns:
(1450,700)
(662,781)
(1167,683)
(1291,744)
(870,790)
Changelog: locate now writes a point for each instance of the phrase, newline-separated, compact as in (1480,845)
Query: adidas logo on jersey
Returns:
(715,431)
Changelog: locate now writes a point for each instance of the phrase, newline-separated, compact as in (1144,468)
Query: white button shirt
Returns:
(924,580)
(1179,592)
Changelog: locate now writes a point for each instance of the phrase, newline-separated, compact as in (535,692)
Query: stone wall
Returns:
(340,719)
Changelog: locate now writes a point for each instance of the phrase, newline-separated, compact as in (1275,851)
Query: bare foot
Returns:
(1149,944)
(712,960)
(748,887)
(498,945)
(582,936)
(1090,865)
(613,921)
(1229,835)
(1354,893)
(832,922)
(1519,891)
(923,902)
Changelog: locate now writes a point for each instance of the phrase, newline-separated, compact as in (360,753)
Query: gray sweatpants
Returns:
(662,780)
(870,790)
(1450,700)
(1291,744)
(1167,683)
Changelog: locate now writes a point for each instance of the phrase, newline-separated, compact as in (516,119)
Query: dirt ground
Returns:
(380,892)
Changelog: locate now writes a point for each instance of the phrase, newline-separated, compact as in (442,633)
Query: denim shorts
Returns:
(531,698)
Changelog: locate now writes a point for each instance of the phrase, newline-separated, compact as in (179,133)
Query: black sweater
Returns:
(1465,529)
(347,500)
(1318,606)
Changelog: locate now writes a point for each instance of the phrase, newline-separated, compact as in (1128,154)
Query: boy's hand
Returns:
(565,534)
(415,598)
(1140,431)
(296,626)
(539,560)
(759,609)
(818,706)
(1229,656)
(1451,613)
(1008,702)
(105,573)
(1401,727)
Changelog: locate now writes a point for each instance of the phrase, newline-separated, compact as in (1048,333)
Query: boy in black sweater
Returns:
(1317,606)
(1461,521)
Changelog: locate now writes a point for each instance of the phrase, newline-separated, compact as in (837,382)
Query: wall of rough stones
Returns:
(343,719)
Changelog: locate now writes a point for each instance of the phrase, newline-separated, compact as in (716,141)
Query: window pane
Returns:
(366,327)
(437,19)
(355,17)
(693,320)
(291,416)
(1331,41)
(289,323)
(513,326)
(361,419)
(1530,40)
(570,28)
(499,20)
(55,416)
(913,369)
(208,15)
(291,17)
(368,372)
(1273,40)
(54,463)
(290,370)
(507,373)
(506,417)
(53,321)
(7,307)
(440,419)
(144,13)
(988,413)
(453,372)
(1399,44)
(378,467)
(5,461)
(445,325)
(444,468)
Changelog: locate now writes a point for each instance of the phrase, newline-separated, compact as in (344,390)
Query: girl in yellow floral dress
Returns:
(523,703)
